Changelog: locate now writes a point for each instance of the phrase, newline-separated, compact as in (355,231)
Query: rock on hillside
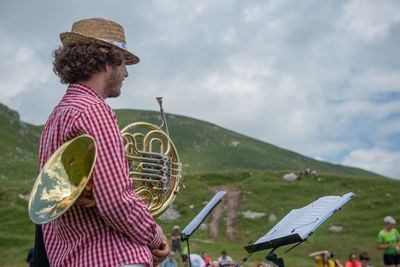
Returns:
(11,112)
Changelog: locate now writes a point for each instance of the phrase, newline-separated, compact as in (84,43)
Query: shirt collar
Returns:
(83,89)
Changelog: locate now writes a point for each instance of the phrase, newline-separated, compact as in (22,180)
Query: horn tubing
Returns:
(145,180)
(164,121)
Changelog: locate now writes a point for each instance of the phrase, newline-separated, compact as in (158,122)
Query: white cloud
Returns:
(21,68)
(368,19)
(377,160)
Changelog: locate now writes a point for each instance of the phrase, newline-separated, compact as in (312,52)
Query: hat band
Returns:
(120,45)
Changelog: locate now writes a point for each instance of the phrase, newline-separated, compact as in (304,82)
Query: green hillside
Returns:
(207,147)
(214,156)
(19,145)
(202,146)
(267,192)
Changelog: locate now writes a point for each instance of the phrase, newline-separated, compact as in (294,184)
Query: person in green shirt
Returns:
(389,241)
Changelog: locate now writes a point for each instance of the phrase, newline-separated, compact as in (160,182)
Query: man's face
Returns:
(114,80)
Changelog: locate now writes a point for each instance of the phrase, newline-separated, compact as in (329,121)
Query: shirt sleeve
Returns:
(380,237)
(113,190)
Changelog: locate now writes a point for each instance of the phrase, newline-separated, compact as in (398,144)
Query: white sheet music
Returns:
(192,226)
(306,220)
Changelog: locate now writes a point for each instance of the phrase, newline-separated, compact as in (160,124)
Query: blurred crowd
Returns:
(388,241)
(325,258)
(196,260)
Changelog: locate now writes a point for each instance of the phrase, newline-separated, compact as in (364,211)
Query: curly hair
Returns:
(78,62)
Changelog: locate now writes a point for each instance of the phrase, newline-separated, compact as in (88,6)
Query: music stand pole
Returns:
(195,223)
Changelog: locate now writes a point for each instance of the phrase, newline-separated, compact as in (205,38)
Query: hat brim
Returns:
(68,38)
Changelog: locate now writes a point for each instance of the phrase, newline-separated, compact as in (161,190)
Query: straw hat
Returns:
(101,31)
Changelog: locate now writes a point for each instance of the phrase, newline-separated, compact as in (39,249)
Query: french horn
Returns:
(153,162)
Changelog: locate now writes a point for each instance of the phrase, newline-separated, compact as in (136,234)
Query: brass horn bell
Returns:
(62,179)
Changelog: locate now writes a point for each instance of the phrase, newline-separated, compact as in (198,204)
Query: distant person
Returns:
(301,173)
(225,260)
(352,262)
(388,240)
(170,261)
(206,259)
(364,258)
(324,259)
(176,239)
(30,258)
(184,255)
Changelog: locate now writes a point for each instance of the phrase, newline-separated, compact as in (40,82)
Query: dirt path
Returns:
(229,207)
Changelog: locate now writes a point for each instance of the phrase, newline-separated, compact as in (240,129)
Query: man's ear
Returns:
(107,67)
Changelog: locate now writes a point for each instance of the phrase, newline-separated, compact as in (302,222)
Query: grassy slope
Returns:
(18,169)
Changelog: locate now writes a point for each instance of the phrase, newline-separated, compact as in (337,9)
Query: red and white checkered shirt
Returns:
(119,229)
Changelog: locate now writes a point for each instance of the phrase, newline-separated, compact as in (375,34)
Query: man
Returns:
(225,260)
(389,242)
(176,239)
(324,258)
(119,229)
(170,261)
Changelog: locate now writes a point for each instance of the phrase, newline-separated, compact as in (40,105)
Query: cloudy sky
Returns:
(317,77)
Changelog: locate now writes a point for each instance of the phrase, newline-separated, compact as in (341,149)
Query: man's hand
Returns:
(160,253)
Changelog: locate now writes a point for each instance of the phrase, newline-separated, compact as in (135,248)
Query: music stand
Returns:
(297,226)
(195,223)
